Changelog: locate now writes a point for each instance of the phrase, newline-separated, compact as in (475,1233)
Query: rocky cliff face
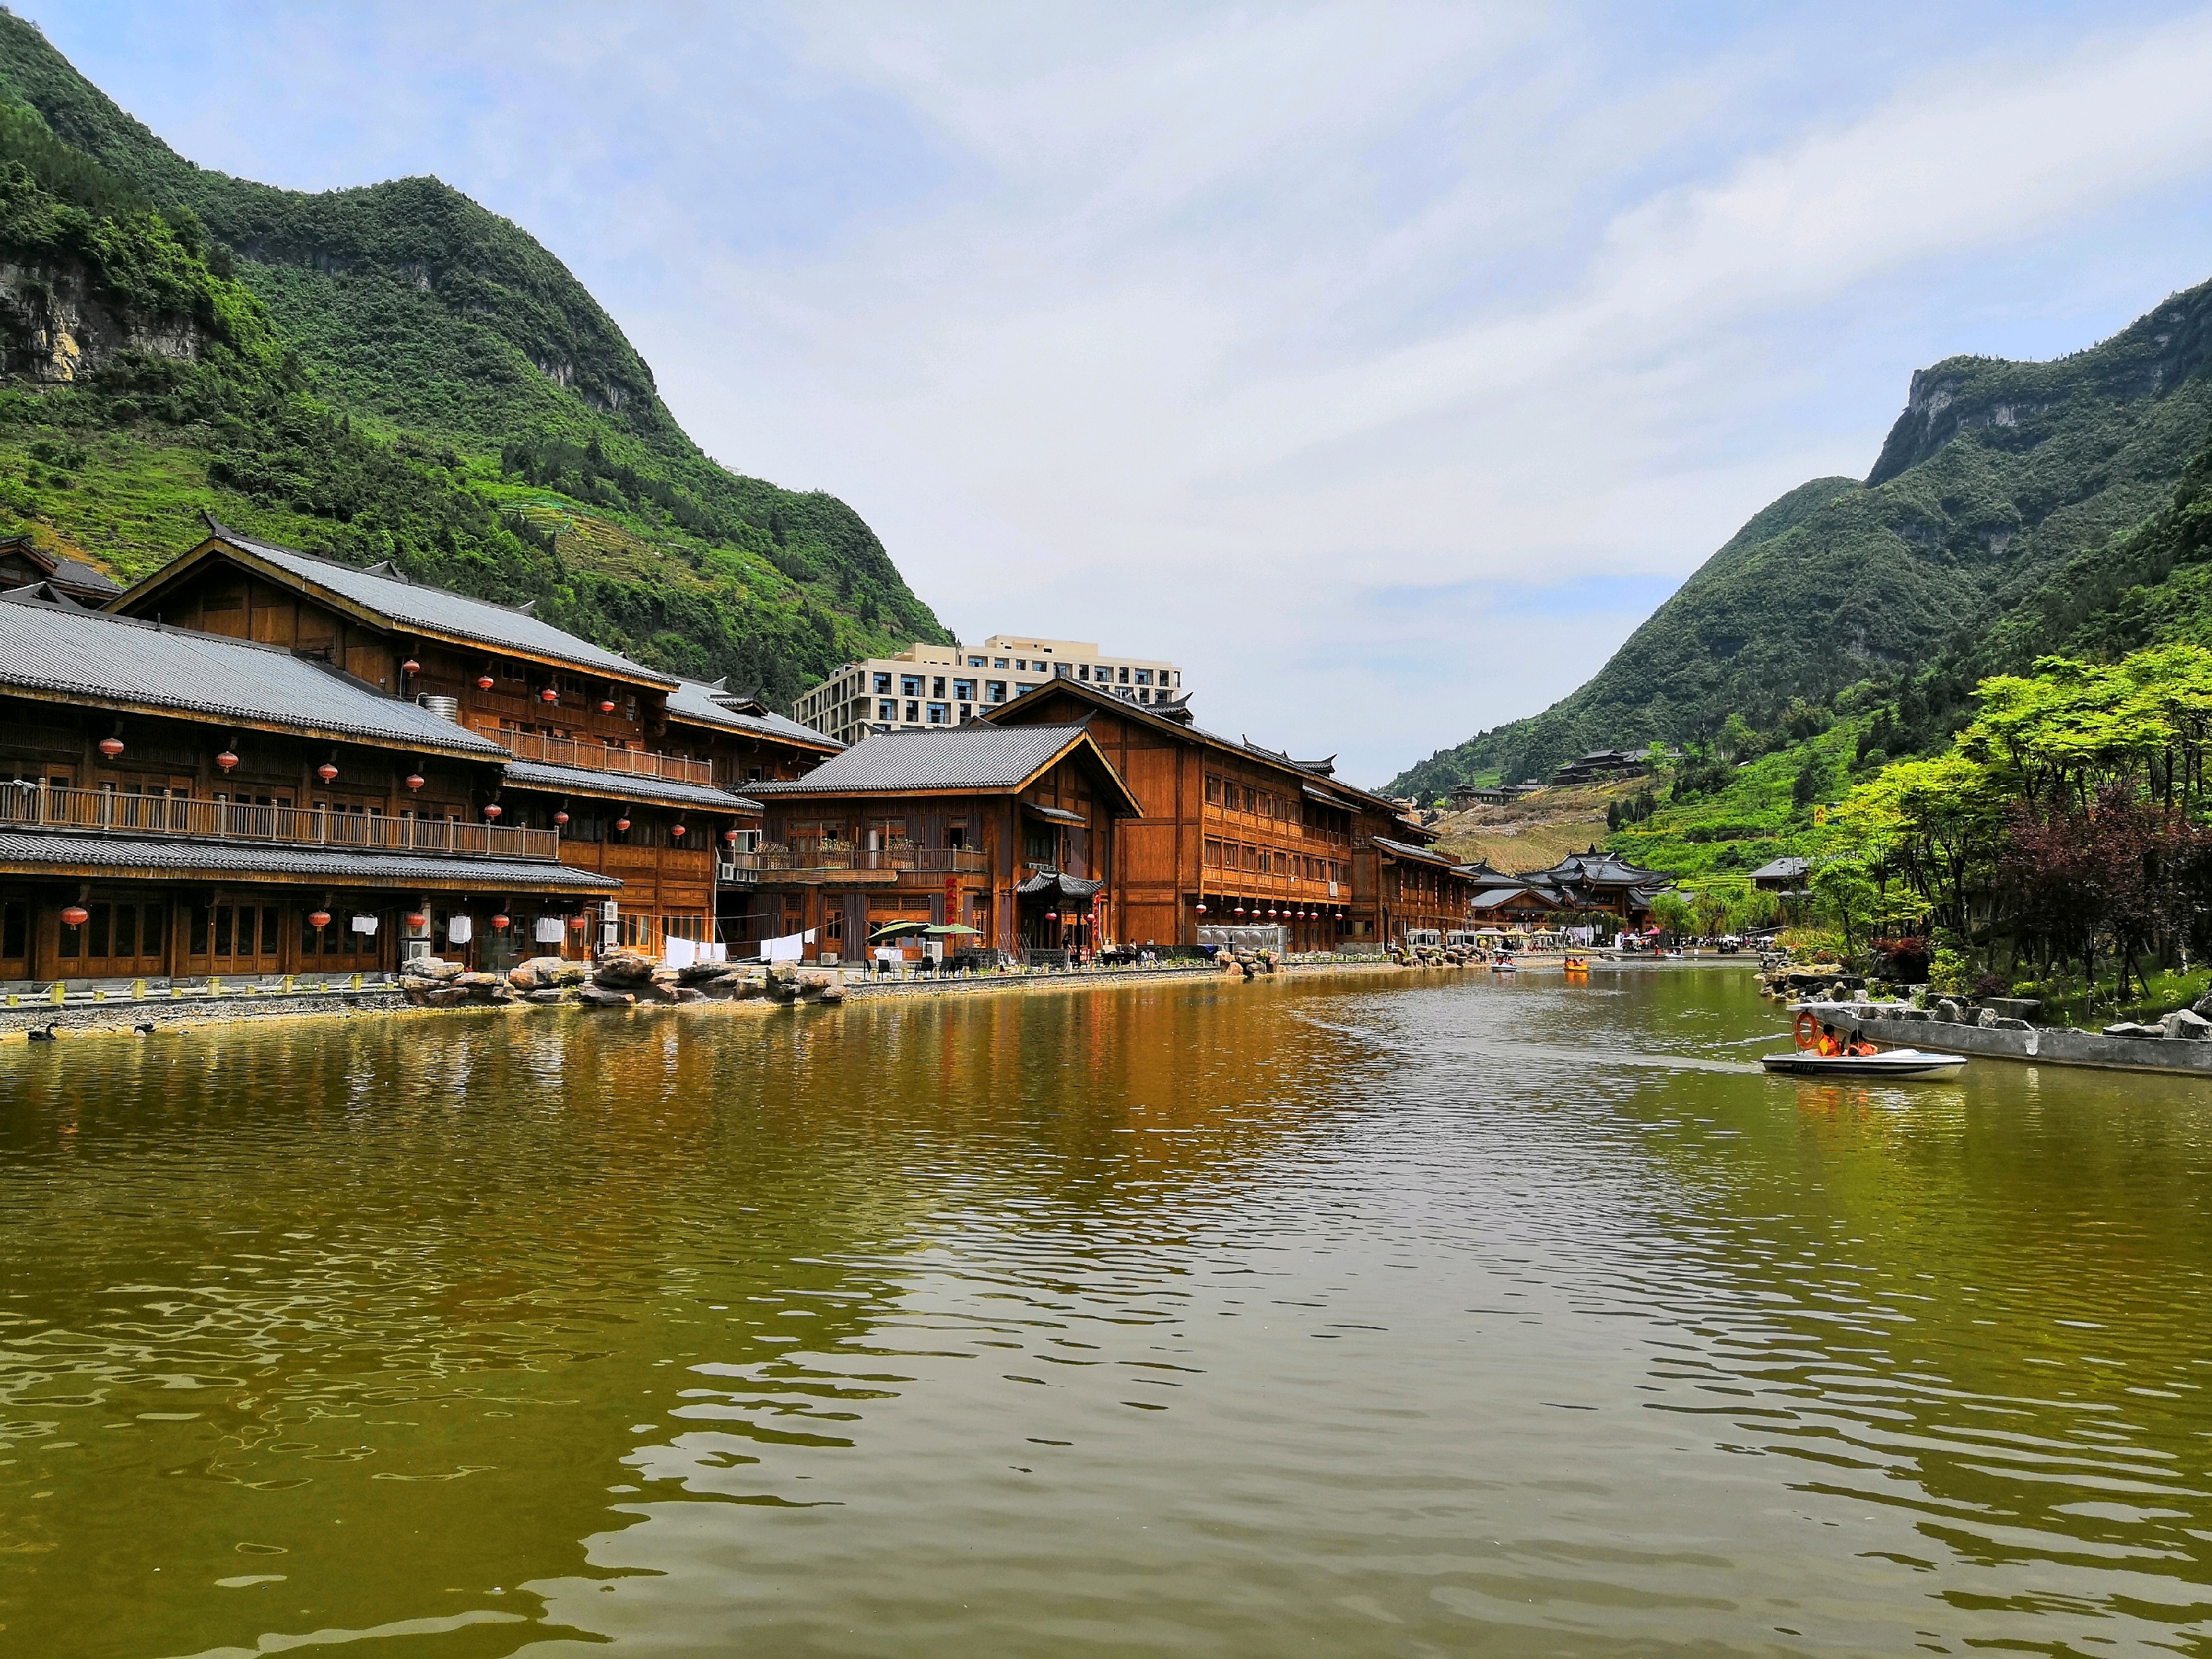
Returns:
(55,330)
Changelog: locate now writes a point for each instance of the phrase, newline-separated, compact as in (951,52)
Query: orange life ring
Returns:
(1807,1031)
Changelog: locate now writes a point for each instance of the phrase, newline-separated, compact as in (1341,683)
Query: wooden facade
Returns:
(845,861)
(1234,834)
(628,765)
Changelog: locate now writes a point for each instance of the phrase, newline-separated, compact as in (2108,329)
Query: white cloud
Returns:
(1220,332)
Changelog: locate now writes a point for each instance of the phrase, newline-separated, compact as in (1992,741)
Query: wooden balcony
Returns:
(599,758)
(823,861)
(108,811)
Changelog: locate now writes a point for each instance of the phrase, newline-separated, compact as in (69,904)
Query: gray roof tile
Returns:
(693,701)
(954,758)
(583,780)
(411,604)
(91,654)
(245,860)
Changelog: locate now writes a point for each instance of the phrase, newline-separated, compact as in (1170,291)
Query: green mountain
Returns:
(388,371)
(1999,480)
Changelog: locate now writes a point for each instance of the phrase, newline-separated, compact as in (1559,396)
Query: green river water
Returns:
(1343,1315)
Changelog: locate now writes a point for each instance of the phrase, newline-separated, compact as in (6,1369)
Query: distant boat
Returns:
(1575,964)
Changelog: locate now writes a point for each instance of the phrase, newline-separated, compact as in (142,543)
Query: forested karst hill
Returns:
(1998,479)
(385,371)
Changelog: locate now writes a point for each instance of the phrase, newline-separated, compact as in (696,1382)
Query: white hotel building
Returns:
(950,685)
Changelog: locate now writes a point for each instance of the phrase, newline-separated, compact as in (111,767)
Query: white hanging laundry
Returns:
(680,953)
(792,947)
(364,924)
(459,930)
(547,930)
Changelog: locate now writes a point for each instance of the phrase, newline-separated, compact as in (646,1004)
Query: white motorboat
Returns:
(1900,1063)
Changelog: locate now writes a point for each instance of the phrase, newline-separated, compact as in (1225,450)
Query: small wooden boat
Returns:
(1900,1063)
(1502,963)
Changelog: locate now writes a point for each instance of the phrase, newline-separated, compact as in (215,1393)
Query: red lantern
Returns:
(492,809)
(1201,909)
(414,782)
(226,760)
(676,830)
(730,836)
(1052,915)
(622,826)
(606,705)
(499,922)
(111,747)
(410,667)
(318,919)
(577,924)
(483,682)
(327,772)
(560,818)
(550,694)
(75,916)
(415,919)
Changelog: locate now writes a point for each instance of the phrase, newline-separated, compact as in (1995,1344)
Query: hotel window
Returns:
(967,712)
(1144,677)
(882,684)
(1022,664)
(998,662)
(964,689)
(1083,670)
(1144,696)
(939,714)
(995,691)
(977,662)
(1124,676)
(887,710)
(937,686)
(914,711)
(910,685)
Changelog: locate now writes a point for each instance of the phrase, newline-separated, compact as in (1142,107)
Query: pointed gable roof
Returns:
(972,758)
(386,597)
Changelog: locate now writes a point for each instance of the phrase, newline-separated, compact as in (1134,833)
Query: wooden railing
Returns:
(843,855)
(109,812)
(600,758)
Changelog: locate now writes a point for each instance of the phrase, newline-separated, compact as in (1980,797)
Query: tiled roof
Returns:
(49,849)
(1405,850)
(951,758)
(75,572)
(620,785)
(1782,869)
(693,701)
(1057,882)
(411,604)
(91,655)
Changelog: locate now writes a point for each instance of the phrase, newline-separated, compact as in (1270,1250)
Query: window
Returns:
(967,712)
(1124,676)
(1036,843)
(882,684)
(995,690)
(1083,670)
(1176,677)
(910,685)
(939,714)
(886,710)
(937,686)
(14,930)
(1022,664)
(1213,854)
(914,711)
(833,924)
(998,662)
(977,662)
(964,689)
(1212,790)
(1144,677)
(956,834)
(510,670)
(1144,696)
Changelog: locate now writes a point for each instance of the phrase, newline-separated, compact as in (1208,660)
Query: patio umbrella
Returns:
(893,929)
(955,927)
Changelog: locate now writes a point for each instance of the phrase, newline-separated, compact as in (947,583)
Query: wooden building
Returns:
(627,764)
(173,804)
(25,564)
(1012,831)
(1232,833)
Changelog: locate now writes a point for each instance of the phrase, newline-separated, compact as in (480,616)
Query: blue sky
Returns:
(1384,365)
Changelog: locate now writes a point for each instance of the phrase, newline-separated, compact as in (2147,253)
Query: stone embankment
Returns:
(623,980)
